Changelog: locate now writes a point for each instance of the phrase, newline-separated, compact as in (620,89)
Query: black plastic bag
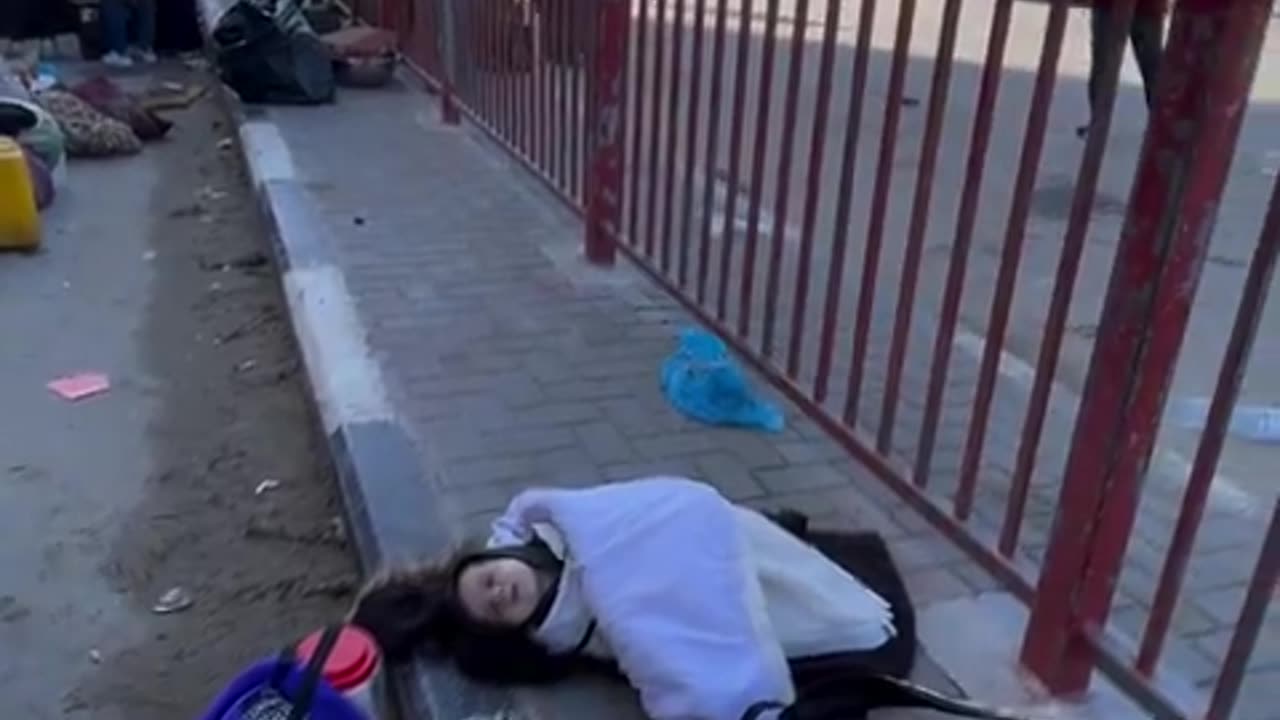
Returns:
(265,64)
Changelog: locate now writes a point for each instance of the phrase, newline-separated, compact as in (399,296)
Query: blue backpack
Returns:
(277,689)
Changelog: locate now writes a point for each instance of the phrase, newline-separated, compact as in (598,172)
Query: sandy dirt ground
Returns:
(157,271)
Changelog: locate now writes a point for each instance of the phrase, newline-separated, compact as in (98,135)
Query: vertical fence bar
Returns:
(1257,599)
(607,133)
(673,134)
(490,67)
(449,67)
(590,103)
(919,223)
(655,129)
(1068,267)
(713,141)
(1019,211)
(755,196)
(879,206)
(778,235)
(537,51)
(553,34)
(511,72)
(563,69)
(577,138)
(1203,92)
(481,60)
(503,70)
(970,196)
(844,200)
(691,139)
(488,64)
(637,132)
(544,87)
(528,93)
(735,158)
(1235,362)
(813,185)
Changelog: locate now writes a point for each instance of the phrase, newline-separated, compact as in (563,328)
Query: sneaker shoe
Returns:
(145,57)
(116,60)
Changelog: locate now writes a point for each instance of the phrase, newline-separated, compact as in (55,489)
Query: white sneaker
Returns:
(145,57)
(115,59)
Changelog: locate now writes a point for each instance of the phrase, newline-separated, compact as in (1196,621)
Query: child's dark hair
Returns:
(416,609)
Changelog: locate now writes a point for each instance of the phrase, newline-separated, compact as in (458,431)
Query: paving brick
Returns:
(933,585)
(1131,619)
(800,477)
(1266,651)
(1222,605)
(603,443)
(808,451)
(925,551)
(470,444)
(679,467)
(674,445)
(727,473)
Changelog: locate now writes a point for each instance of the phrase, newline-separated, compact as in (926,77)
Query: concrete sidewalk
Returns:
(460,351)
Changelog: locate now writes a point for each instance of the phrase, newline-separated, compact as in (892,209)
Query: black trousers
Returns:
(1146,34)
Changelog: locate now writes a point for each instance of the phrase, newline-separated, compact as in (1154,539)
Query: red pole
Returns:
(608,73)
(1204,86)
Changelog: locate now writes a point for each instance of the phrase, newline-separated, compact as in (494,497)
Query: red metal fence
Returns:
(727,148)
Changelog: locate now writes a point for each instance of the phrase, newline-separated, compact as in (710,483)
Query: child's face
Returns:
(499,591)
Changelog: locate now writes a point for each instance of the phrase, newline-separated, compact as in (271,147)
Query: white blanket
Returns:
(667,575)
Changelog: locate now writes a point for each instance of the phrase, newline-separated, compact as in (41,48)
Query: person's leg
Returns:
(145,22)
(1147,35)
(1099,19)
(114,17)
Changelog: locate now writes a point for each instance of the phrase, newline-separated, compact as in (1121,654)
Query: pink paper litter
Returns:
(80,386)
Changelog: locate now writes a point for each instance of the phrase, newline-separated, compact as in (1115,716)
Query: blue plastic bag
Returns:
(279,689)
(702,381)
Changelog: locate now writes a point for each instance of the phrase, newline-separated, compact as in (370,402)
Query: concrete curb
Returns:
(392,509)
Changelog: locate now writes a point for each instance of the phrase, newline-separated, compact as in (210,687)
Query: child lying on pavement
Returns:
(710,610)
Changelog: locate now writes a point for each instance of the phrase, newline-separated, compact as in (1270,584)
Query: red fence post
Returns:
(605,116)
(1203,91)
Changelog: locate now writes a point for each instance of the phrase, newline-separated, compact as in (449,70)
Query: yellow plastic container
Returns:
(19,219)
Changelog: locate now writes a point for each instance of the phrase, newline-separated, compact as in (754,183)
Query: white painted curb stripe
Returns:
(345,377)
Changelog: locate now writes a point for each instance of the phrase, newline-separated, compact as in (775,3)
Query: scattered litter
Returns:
(331,588)
(174,600)
(338,528)
(1260,423)
(172,96)
(80,386)
(254,323)
(208,192)
(702,381)
(215,286)
(260,530)
(250,261)
(190,210)
(149,255)
(908,101)
(66,285)
(358,220)
(246,366)
(266,486)
(95,657)
(226,144)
